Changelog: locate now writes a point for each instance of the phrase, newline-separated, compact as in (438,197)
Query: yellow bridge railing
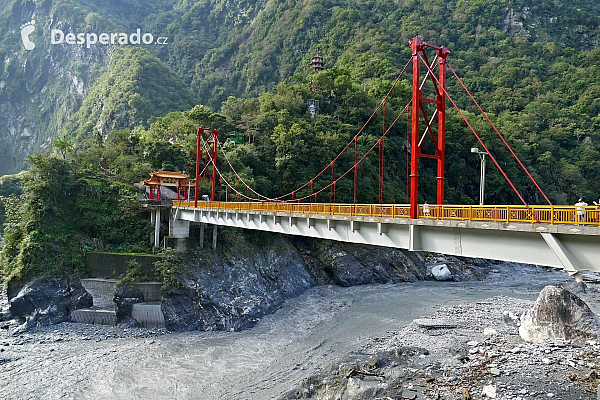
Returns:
(543,214)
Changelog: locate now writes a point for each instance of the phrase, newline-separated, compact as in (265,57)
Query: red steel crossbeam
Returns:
(200,157)
(418,48)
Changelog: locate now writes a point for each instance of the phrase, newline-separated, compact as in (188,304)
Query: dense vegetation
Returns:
(64,211)
(532,65)
(136,88)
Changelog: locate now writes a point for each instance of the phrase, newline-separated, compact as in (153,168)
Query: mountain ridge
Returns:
(222,48)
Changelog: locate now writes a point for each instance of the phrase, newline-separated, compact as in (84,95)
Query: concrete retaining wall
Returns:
(113,265)
(94,317)
(150,290)
(148,315)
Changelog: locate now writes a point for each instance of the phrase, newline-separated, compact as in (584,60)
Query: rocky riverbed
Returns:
(427,339)
(465,351)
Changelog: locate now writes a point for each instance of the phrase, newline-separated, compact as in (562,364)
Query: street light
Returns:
(226,191)
(482,155)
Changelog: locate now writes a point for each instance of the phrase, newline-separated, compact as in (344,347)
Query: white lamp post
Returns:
(482,155)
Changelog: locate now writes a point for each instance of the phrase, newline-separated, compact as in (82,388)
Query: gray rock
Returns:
(441,272)
(510,318)
(126,295)
(574,287)
(233,291)
(128,322)
(558,313)
(349,264)
(49,301)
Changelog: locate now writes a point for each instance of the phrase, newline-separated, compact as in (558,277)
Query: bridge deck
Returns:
(553,215)
(507,233)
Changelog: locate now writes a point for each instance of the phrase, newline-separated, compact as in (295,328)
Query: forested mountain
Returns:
(136,87)
(532,64)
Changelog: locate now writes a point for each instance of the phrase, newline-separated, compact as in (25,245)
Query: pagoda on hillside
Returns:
(316,63)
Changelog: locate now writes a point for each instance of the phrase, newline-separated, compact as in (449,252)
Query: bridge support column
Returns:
(330,224)
(157,227)
(382,228)
(214,244)
(414,238)
(562,254)
(202,235)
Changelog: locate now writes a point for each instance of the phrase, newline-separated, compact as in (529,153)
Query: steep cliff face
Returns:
(41,88)
(136,88)
(254,273)
(232,289)
(220,48)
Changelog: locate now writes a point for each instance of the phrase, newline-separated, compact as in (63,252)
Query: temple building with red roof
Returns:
(169,179)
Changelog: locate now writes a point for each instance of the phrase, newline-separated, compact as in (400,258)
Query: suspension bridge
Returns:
(566,237)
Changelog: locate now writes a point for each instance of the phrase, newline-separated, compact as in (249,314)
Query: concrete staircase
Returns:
(148,314)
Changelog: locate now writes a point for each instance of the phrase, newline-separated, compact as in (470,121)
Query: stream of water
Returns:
(310,332)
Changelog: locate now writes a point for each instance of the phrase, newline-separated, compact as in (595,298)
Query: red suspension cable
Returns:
(500,135)
(258,195)
(480,141)
(381,150)
(358,134)
(331,194)
(407,159)
(216,169)
(355,165)
(382,103)
(362,158)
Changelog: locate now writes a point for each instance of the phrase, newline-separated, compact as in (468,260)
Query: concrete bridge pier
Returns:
(214,243)
(201,235)
(179,230)
(214,236)
(156,219)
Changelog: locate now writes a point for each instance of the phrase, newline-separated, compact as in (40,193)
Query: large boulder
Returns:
(349,264)
(558,313)
(49,300)
(441,272)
